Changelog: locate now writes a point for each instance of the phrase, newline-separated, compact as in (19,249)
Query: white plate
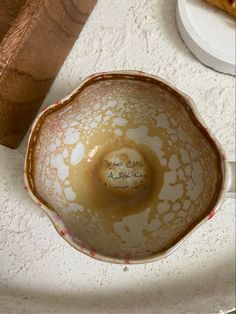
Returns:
(208,33)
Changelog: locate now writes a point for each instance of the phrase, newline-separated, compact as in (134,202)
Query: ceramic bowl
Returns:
(125,167)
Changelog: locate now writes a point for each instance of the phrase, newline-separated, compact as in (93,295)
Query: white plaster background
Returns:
(39,272)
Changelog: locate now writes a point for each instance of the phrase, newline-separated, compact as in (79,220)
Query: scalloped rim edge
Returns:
(57,221)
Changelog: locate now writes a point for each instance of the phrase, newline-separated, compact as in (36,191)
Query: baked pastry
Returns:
(228,6)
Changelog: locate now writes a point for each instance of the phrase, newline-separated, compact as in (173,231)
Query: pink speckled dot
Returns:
(211,215)
(92,252)
(62,233)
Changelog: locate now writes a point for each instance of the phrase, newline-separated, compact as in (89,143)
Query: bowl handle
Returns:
(232,180)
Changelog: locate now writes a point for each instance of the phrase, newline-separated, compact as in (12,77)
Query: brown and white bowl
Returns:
(125,167)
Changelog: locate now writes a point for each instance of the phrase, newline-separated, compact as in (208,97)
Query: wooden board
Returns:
(31,55)
(9,10)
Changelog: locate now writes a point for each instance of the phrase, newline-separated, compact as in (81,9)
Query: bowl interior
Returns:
(126,165)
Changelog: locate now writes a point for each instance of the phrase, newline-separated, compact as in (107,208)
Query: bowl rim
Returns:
(55,218)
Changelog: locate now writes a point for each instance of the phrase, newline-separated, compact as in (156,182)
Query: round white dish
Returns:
(208,33)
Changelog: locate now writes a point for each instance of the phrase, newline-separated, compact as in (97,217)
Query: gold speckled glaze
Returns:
(125,167)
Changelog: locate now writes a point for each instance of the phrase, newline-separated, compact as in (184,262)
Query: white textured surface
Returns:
(39,272)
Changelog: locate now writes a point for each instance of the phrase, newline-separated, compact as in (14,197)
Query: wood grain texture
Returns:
(9,10)
(31,55)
